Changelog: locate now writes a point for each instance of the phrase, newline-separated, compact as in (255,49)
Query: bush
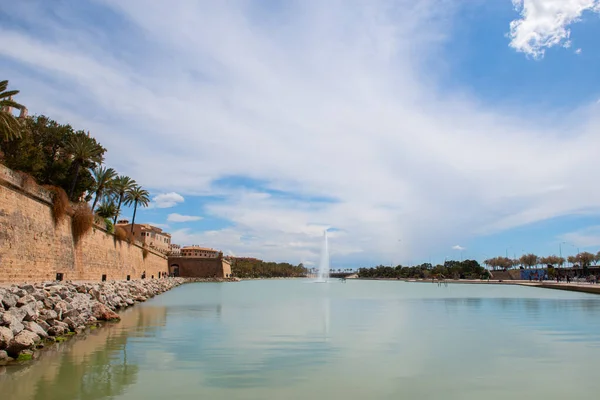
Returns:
(82,221)
(145,253)
(60,203)
(120,233)
(110,228)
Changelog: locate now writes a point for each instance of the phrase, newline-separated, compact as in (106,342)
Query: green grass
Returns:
(93,327)
(25,357)
(71,333)
(60,339)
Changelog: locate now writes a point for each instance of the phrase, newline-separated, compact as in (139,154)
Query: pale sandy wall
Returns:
(32,248)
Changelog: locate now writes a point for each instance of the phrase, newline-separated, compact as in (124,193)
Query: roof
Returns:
(198,248)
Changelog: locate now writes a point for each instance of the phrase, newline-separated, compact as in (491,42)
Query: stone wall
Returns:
(33,248)
(195,267)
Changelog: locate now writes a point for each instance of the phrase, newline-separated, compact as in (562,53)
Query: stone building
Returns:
(199,262)
(148,235)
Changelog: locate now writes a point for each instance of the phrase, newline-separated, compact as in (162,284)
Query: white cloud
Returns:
(458,247)
(544,23)
(182,218)
(167,200)
(319,100)
(578,51)
(587,237)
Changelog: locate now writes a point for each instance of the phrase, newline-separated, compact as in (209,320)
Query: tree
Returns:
(572,260)
(137,196)
(83,150)
(585,259)
(10,126)
(529,260)
(104,178)
(120,187)
(106,209)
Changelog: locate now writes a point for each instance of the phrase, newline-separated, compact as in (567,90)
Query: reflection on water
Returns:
(288,339)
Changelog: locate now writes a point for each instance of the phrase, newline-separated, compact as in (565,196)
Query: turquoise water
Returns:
(290,339)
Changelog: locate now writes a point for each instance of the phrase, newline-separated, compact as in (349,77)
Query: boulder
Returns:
(6,335)
(71,323)
(81,301)
(18,313)
(25,300)
(103,313)
(4,358)
(48,315)
(23,341)
(56,331)
(28,288)
(36,328)
(43,324)
(9,300)
(30,313)
(13,323)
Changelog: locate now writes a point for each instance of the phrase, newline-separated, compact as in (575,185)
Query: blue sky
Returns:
(411,129)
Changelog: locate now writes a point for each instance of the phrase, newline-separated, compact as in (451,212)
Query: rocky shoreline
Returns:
(32,315)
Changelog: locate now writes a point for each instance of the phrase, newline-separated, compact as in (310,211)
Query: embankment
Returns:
(31,315)
(34,248)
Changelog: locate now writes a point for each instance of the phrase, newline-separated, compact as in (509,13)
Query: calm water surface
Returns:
(360,340)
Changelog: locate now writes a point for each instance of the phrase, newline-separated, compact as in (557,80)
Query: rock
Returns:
(18,313)
(13,323)
(80,329)
(44,325)
(9,300)
(60,324)
(30,313)
(25,300)
(36,328)
(6,335)
(70,323)
(81,301)
(23,341)
(28,288)
(56,331)
(4,358)
(48,315)
(95,294)
(103,313)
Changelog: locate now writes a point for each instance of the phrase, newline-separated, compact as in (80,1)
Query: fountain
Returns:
(324,264)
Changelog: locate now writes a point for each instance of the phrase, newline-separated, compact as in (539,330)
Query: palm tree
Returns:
(121,185)
(107,209)
(10,126)
(83,150)
(137,196)
(104,178)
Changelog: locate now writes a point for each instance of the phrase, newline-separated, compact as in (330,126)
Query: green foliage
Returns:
(136,196)
(110,228)
(250,268)
(104,178)
(46,151)
(121,185)
(11,127)
(106,209)
(467,269)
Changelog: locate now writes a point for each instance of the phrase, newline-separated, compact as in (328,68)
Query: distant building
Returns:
(197,251)
(148,235)
(199,262)
(174,250)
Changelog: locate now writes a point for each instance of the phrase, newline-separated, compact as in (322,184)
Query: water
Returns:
(284,339)
(324,262)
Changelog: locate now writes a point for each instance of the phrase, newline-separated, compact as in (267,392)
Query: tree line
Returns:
(64,160)
(245,268)
(582,260)
(467,269)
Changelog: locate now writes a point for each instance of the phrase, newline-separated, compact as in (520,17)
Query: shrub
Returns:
(82,222)
(144,253)
(60,203)
(110,228)
(120,233)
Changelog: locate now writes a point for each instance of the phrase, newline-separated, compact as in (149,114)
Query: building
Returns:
(199,262)
(174,250)
(148,235)
(197,251)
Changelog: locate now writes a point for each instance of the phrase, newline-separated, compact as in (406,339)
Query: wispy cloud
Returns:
(167,200)
(182,218)
(544,24)
(313,99)
(458,247)
(587,237)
